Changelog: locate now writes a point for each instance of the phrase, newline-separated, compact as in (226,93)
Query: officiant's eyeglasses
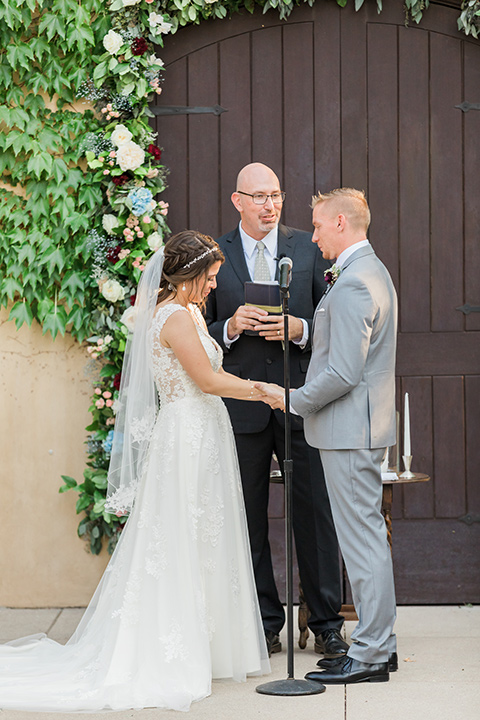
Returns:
(261,198)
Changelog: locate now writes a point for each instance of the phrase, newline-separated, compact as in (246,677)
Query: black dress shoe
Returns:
(330,663)
(331,644)
(273,642)
(351,671)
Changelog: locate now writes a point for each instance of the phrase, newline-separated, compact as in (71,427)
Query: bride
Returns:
(177,604)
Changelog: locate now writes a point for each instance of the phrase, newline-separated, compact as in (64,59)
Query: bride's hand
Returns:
(274,395)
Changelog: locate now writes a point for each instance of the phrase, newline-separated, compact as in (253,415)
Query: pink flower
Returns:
(98,391)
(106,172)
(104,110)
(136,263)
(141,267)
(111,163)
(146,219)
(140,233)
(109,403)
(100,403)
(107,394)
(127,231)
(94,355)
(113,154)
(100,341)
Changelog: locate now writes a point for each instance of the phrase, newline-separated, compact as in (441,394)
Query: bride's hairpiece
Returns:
(192,262)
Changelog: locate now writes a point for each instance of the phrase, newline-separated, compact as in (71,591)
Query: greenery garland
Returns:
(79,218)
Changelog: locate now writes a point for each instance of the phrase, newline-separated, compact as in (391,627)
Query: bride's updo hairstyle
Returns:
(188,256)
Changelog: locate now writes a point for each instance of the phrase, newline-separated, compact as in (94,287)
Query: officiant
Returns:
(252,251)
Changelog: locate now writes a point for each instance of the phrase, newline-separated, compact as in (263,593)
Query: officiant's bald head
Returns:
(259,212)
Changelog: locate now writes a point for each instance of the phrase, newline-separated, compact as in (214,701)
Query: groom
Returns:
(348,406)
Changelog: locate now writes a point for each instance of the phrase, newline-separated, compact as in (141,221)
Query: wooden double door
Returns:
(330,98)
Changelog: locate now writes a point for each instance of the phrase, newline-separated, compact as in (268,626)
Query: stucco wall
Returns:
(44,400)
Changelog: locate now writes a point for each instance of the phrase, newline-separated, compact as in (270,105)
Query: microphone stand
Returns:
(290,686)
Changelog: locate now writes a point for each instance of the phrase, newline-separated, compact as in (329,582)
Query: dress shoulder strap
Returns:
(162,314)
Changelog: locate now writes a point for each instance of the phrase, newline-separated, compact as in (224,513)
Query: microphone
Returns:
(285,270)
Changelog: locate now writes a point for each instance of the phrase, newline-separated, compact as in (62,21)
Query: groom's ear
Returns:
(341,222)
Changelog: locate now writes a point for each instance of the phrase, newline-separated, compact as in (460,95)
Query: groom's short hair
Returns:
(348,201)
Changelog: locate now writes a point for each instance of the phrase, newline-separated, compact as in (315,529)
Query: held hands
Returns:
(271,327)
(272,394)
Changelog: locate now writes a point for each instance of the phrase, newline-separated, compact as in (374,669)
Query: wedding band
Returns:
(278,332)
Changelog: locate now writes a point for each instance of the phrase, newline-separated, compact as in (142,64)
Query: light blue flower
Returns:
(140,199)
(108,442)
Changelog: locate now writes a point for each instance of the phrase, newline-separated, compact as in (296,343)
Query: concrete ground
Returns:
(438,676)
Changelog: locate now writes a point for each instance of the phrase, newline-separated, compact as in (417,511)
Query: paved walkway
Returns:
(438,676)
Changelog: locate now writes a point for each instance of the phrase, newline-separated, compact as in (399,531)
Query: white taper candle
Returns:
(407,449)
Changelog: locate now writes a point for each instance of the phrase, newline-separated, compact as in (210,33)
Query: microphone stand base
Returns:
(292,687)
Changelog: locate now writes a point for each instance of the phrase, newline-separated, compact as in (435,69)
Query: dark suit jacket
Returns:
(254,357)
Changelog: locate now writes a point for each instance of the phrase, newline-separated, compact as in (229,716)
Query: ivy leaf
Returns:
(55,322)
(59,170)
(52,259)
(42,162)
(73,287)
(91,196)
(10,287)
(21,313)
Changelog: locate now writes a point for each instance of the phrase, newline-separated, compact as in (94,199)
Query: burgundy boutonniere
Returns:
(331,275)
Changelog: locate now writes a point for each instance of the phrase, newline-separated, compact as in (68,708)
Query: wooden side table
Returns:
(387,497)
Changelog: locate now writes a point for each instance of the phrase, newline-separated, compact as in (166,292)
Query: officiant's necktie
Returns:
(261,271)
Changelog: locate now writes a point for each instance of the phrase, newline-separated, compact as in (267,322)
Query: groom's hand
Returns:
(274,395)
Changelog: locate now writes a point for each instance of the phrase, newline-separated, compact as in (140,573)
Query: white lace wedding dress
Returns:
(176,605)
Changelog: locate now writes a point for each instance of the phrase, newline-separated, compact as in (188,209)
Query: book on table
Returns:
(264,295)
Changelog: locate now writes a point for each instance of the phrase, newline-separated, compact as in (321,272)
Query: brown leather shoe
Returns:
(331,644)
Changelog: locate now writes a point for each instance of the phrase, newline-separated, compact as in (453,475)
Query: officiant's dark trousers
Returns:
(313,529)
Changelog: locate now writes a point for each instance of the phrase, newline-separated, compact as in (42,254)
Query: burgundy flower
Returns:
(155,151)
(112,254)
(120,180)
(133,298)
(139,46)
(116,381)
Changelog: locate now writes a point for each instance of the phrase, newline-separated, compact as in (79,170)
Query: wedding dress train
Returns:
(176,605)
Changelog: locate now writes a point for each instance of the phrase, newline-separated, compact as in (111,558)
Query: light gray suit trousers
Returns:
(348,404)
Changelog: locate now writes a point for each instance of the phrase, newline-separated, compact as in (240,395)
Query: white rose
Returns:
(128,318)
(130,156)
(109,222)
(112,42)
(121,135)
(155,18)
(153,60)
(154,241)
(112,291)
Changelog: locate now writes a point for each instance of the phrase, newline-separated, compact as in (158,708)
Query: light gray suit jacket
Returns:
(348,400)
